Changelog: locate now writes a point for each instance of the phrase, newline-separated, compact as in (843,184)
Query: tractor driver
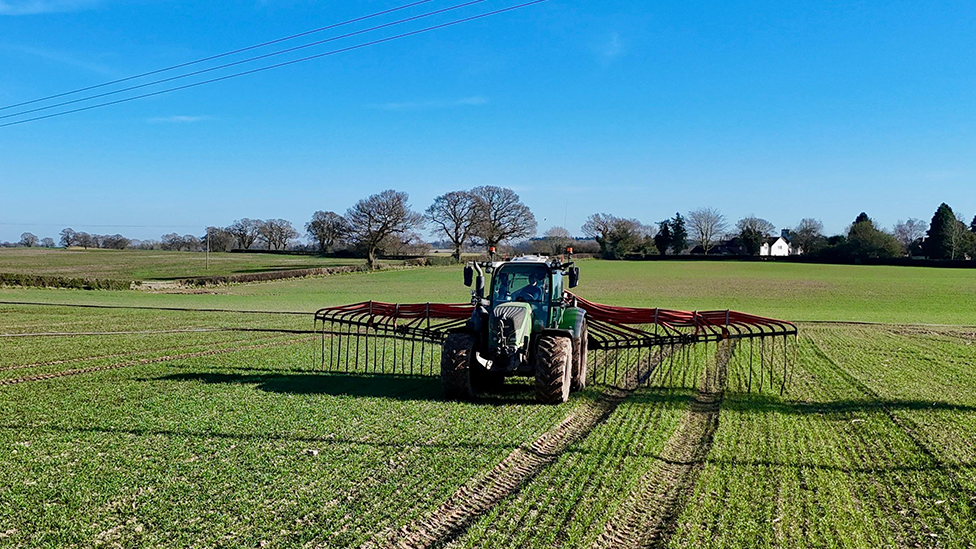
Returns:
(532,291)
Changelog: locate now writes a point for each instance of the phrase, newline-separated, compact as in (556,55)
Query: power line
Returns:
(218,56)
(279,65)
(89,225)
(243,61)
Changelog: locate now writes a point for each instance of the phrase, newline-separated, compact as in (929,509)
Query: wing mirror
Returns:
(573,277)
(468,275)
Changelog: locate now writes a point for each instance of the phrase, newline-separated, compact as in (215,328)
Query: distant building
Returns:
(732,246)
(776,247)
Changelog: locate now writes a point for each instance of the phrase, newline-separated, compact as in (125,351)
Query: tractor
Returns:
(526,326)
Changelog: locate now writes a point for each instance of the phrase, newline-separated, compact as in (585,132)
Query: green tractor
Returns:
(525,327)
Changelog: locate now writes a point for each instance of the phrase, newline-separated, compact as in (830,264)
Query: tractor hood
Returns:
(510,326)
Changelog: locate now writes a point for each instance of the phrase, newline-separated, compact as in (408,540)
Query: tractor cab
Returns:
(530,282)
(523,326)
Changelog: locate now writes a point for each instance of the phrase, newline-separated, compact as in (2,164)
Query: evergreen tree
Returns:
(940,235)
(752,240)
(679,235)
(663,238)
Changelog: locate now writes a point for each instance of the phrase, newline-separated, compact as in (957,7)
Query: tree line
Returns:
(706,230)
(383,223)
(488,217)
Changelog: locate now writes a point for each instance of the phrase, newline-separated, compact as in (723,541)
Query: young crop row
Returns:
(842,461)
(248,446)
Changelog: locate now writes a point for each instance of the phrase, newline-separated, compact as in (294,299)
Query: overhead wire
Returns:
(220,55)
(279,65)
(248,60)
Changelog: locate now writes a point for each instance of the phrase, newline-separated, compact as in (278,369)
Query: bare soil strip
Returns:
(649,516)
(53,375)
(476,497)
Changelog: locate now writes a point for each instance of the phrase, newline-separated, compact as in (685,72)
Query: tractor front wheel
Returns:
(579,360)
(553,369)
(457,359)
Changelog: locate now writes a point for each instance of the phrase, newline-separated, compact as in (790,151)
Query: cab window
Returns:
(528,287)
(524,284)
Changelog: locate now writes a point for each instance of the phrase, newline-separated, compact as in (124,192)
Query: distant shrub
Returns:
(52,281)
(439,260)
(273,275)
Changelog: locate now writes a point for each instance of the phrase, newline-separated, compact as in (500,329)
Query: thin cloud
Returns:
(36,7)
(612,48)
(474,101)
(60,57)
(179,119)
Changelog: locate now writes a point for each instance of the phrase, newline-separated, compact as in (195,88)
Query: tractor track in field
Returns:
(649,516)
(140,362)
(115,355)
(479,495)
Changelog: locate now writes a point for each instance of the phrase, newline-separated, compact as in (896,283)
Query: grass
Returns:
(872,446)
(874,450)
(787,291)
(238,449)
(151,264)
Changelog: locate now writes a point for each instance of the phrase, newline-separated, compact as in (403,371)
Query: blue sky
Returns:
(818,109)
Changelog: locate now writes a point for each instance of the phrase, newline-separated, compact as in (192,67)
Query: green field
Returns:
(230,439)
(151,264)
(782,290)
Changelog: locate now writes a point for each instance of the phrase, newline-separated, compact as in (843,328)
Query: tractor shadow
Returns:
(389,386)
(757,403)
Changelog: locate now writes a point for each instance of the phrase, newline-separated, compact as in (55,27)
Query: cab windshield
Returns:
(529,284)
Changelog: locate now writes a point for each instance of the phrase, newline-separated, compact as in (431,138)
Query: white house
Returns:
(776,247)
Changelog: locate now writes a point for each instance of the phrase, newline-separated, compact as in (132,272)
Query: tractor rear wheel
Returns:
(579,360)
(553,369)
(457,360)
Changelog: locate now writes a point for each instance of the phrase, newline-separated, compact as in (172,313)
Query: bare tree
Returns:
(752,232)
(220,240)
(598,227)
(29,240)
(193,243)
(277,233)
(116,242)
(373,219)
(557,240)
(172,242)
(85,240)
(327,229)
(246,231)
(808,236)
(619,237)
(405,244)
(47,242)
(453,214)
(499,216)
(961,241)
(909,232)
(755,224)
(68,237)
(707,224)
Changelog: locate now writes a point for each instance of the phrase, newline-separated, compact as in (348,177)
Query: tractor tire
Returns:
(553,369)
(457,360)
(580,346)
